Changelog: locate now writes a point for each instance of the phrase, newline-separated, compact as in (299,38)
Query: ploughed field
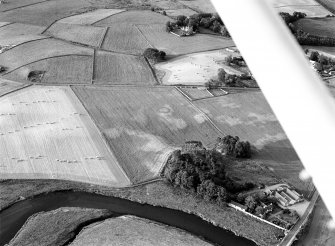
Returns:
(46,133)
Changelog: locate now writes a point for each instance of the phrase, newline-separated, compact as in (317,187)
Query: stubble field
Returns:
(46,133)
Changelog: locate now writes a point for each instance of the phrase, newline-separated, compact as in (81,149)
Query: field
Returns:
(55,227)
(176,12)
(45,13)
(318,26)
(310,11)
(90,18)
(328,51)
(278,3)
(135,17)
(143,129)
(16,40)
(173,45)
(329,4)
(196,93)
(8,86)
(37,50)
(88,35)
(113,68)
(12,4)
(200,5)
(18,29)
(72,69)
(131,230)
(195,69)
(248,116)
(125,38)
(46,133)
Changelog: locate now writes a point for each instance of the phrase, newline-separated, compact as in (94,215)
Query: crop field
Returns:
(196,93)
(142,130)
(37,50)
(45,133)
(12,4)
(204,6)
(45,13)
(330,4)
(248,115)
(72,69)
(173,45)
(7,86)
(166,4)
(135,17)
(90,17)
(195,69)
(122,69)
(318,26)
(18,29)
(88,35)
(176,12)
(125,230)
(13,41)
(309,10)
(125,38)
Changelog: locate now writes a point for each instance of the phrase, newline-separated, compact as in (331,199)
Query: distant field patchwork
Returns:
(143,125)
(71,69)
(88,35)
(12,4)
(125,38)
(310,7)
(37,50)
(46,133)
(249,116)
(173,45)
(113,68)
(91,17)
(200,5)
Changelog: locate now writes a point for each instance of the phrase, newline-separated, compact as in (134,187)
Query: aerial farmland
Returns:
(144,108)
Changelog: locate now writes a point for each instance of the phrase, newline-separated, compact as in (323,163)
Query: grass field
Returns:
(173,45)
(55,227)
(278,3)
(18,29)
(195,69)
(34,51)
(125,38)
(71,69)
(249,116)
(122,69)
(143,129)
(12,4)
(324,27)
(328,51)
(131,230)
(7,86)
(88,35)
(46,133)
(135,17)
(43,14)
(204,6)
(90,17)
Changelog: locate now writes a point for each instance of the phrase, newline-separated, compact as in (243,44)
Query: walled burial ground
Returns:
(46,133)
(143,129)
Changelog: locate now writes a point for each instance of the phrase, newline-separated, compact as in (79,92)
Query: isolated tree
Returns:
(314,56)
(251,203)
(154,54)
(222,75)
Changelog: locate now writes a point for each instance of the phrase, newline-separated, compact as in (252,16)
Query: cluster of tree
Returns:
(320,58)
(205,20)
(201,172)
(255,203)
(3,69)
(154,54)
(287,219)
(304,38)
(158,10)
(236,60)
(226,79)
(232,146)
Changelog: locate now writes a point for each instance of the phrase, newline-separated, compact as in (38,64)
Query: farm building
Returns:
(287,196)
(191,146)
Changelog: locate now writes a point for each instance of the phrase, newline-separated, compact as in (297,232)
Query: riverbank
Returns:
(157,194)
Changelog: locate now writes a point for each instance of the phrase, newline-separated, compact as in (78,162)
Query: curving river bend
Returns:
(12,218)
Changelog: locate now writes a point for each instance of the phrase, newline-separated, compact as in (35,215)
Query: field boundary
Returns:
(29,41)
(100,134)
(124,10)
(331,10)
(201,112)
(136,25)
(10,23)
(103,38)
(152,70)
(93,66)
(17,89)
(27,64)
